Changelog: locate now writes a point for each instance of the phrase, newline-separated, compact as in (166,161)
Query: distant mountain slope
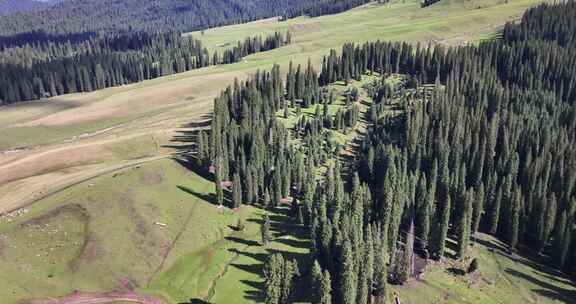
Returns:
(74,16)
(12,6)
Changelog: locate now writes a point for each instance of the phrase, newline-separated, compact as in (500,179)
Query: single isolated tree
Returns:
(265,231)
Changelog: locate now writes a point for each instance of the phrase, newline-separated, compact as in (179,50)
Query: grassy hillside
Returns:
(449,21)
(102,234)
(94,174)
(152,227)
(501,279)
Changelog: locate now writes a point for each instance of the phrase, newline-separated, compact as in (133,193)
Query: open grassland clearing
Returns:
(106,233)
(153,228)
(501,278)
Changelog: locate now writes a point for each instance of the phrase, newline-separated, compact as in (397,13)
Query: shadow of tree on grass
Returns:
(550,291)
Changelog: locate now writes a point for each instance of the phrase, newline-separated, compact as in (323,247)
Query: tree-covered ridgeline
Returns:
(50,69)
(110,16)
(326,7)
(485,142)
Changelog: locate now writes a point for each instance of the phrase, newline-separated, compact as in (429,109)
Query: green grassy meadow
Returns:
(449,21)
(101,234)
(109,232)
(155,227)
(501,279)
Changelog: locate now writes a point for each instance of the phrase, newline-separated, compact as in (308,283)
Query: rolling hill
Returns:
(8,7)
(81,16)
(100,203)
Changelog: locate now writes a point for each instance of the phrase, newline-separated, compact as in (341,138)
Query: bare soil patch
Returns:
(67,210)
(306,27)
(52,160)
(151,178)
(90,252)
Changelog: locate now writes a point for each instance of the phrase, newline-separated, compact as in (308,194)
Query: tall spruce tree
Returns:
(326,289)
(236,191)
(465,224)
(513,229)
(265,230)
(348,279)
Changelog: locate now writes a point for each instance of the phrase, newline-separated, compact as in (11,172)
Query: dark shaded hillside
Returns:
(12,6)
(75,16)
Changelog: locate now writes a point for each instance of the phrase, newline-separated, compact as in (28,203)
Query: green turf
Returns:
(102,234)
(449,21)
(20,137)
(12,137)
(98,234)
(500,279)
(111,236)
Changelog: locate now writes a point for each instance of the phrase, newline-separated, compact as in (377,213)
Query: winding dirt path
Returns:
(96,298)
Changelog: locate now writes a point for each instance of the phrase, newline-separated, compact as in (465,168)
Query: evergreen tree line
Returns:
(489,148)
(548,22)
(51,69)
(426,3)
(492,150)
(249,146)
(252,45)
(109,16)
(28,53)
(326,7)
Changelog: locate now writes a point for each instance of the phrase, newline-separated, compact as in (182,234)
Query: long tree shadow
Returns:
(195,301)
(491,245)
(260,257)
(210,198)
(191,164)
(185,144)
(242,241)
(285,231)
(251,268)
(548,290)
(257,295)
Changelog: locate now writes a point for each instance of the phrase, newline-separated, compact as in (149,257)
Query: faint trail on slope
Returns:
(220,275)
(97,174)
(97,298)
(176,239)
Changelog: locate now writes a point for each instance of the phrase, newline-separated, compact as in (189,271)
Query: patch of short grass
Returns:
(124,238)
(501,278)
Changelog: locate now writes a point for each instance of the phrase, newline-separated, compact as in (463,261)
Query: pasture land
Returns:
(95,175)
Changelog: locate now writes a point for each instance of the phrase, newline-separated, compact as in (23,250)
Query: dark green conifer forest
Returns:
(42,70)
(484,142)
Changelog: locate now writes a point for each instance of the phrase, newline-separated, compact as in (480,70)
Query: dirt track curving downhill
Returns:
(96,298)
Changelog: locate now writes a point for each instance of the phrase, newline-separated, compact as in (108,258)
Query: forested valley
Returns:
(472,139)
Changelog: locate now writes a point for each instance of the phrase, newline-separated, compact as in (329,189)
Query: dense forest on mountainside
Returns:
(8,7)
(55,51)
(52,69)
(81,16)
(485,141)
